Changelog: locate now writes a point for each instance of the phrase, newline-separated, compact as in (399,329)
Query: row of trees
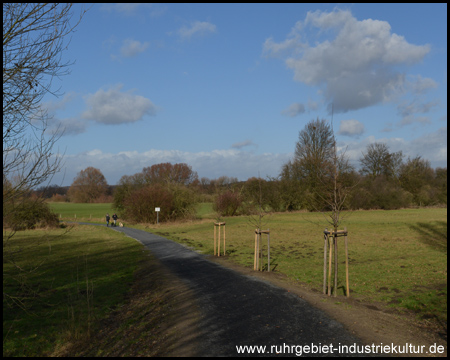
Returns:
(316,179)
(385,179)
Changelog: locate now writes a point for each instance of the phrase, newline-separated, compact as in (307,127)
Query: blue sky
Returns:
(226,88)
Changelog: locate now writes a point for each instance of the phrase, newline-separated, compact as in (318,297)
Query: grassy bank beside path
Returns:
(59,284)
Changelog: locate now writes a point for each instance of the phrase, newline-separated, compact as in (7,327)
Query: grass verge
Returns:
(59,283)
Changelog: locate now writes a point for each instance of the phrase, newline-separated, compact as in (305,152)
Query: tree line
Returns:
(317,178)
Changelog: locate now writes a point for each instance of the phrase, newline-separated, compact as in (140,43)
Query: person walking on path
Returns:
(115,219)
(107,219)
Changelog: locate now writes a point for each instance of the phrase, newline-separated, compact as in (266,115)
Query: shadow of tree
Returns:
(433,234)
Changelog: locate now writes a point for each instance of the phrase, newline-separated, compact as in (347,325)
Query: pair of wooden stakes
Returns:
(219,224)
(258,245)
(328,235)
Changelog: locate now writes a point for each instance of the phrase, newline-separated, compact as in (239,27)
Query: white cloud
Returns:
(430,146)
(116,107)
(72,126)
(357,66)
(273,49)
(409,111)
(240,145)
(196,28)
(125,8)
(237,163)
(131,48)
(294,110)
(213,164)
(351,128)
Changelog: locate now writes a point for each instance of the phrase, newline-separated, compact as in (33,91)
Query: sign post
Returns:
(157,214)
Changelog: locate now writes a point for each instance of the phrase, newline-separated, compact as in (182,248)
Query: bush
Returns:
(29,214)
(59,198)
(184,201)
(227,203)
(379,193)
(140,205)
(175,201)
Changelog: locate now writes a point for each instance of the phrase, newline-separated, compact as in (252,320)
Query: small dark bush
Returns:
(227,203)
(379,193)
(29,214)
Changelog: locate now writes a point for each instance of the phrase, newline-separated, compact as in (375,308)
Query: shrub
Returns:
(176,202)
(379,193)
(183,202)
(29,214)
(140,205)
(59,198)
(227,203)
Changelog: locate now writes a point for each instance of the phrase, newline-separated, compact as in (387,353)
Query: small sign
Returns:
(157,209)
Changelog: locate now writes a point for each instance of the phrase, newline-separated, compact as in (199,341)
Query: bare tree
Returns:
(377,160)
(338,181)
(34,38)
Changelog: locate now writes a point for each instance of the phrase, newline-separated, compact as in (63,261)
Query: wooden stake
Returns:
(256,250)
(261,252)
(335,264)
(329,266)
(224,252)
(218,246)
(268,250)
(346,264)
(214,239)
(325,237)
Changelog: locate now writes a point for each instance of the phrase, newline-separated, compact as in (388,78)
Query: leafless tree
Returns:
(377,160)
(34,38)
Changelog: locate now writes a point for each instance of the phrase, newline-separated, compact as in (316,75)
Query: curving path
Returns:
(238,309)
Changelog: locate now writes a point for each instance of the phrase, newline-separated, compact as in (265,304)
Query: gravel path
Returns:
(242,310)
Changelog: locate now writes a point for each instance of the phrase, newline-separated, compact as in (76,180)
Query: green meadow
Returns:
(81,212)
(398,258)
(58,283)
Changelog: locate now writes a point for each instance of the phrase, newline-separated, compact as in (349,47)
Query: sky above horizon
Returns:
(226,88)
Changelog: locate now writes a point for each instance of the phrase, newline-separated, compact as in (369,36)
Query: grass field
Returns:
(97,212)
(398,258)
(81,212)
(66,282)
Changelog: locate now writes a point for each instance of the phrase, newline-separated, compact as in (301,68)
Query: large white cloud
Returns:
(356,65)
(115,107)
